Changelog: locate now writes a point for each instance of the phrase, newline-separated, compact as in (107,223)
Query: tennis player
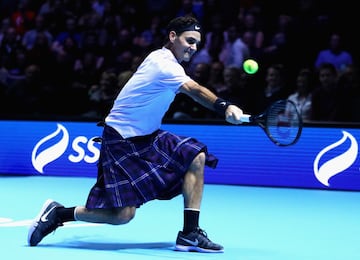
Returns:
(139,161)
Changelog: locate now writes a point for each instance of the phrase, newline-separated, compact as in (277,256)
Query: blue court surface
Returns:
(250,222)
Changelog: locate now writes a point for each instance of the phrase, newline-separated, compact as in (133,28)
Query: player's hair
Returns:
(183,23)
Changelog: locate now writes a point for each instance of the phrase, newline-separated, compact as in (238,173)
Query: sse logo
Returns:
(325,170)
(51,153)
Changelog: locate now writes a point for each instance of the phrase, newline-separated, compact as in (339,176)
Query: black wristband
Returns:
(221,105)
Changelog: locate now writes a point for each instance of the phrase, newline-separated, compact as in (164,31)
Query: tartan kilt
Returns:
(135,170)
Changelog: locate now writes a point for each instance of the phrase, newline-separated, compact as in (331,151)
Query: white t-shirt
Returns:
(140,106)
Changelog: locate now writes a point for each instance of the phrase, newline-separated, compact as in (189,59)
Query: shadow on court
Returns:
(106,246)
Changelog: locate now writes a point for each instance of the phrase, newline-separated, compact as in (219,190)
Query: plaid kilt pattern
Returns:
(135,170)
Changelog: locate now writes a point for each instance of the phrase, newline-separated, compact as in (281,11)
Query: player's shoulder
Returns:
(161,56)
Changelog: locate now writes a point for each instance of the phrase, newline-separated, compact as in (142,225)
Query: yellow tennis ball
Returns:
(250,66)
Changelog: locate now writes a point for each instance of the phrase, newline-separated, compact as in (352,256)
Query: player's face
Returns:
(185,45)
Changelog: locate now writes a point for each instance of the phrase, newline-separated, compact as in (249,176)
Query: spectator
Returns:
(22,19)
(122,42)
(30,36)
(77,8)
(102,96)
(214,38)
(70,30)
(236,86)
(28,97)
(303,93)
(99,6)
(112,22)
(16,65)
(56,17)
(274,89)
(276,49)
(124,60)
(254,52)
(348,95)
(216,77)
(10,44)
(87,72)
(62,72)
(94,35)
(334,54)
(324,95)
(251,23)
(46,7)
(234,51)
(5,25)
(40,54)
(3,73)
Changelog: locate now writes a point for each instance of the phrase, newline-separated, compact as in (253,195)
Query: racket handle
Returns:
(245,118)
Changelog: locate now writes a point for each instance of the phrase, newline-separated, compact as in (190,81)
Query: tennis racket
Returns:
(281,122)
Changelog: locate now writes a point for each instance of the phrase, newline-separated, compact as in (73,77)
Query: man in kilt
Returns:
(139,161)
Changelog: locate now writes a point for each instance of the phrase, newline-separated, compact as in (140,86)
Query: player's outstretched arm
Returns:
(209,100)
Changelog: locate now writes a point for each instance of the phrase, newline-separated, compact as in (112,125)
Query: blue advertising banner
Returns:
(323,158)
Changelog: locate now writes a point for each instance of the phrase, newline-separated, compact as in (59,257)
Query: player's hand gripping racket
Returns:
(281,122)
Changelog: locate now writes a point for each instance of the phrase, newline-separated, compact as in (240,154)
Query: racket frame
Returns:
(261,120)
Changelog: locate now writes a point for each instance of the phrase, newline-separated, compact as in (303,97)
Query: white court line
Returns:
(5,220)
(8,222)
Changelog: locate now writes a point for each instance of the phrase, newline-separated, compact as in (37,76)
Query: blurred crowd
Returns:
(68,59)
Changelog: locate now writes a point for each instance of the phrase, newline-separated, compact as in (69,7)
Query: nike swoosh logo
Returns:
(193,243)
(44,217)
(197,27)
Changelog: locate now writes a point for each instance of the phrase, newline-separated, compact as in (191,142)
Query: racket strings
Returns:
(283,123)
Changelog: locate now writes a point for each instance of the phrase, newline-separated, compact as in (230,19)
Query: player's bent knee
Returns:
(124,215)
(198,162)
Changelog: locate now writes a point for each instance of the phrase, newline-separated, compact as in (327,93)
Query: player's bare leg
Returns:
(117,216)
(49,218)
(192,237)
(194,183)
